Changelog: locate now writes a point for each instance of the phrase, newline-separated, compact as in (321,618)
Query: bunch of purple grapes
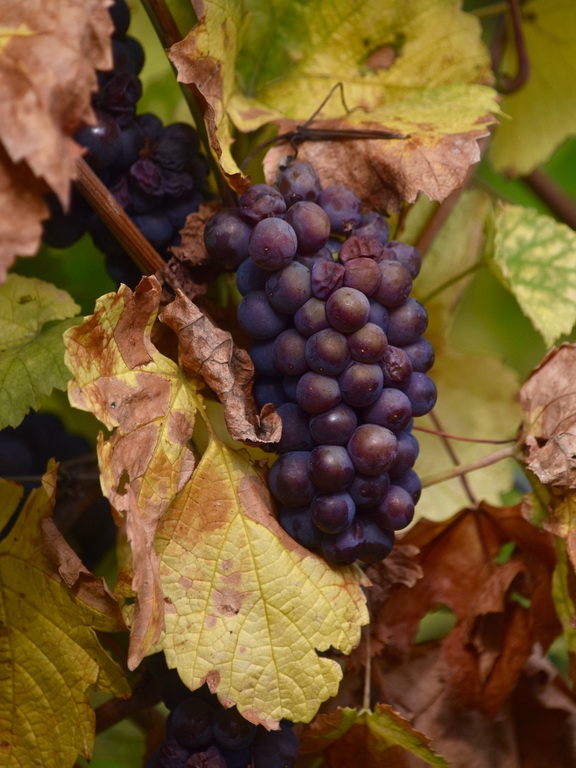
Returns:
(157,173)
(200,733)
(338,348)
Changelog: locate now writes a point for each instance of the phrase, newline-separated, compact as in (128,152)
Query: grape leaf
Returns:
(31,354)
(543,111)
(247,608)
(535,257)
(227,594)
(351,737)
(288,57)
(48,58)
(50,610)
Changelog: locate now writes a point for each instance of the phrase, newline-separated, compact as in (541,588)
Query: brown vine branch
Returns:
(561,204)
(168,33)
(117,221)
(464,469)
(511,84)
(146,694)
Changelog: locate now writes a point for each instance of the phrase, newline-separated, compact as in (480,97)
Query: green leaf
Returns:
(535,257)
(31,353)
(543,111)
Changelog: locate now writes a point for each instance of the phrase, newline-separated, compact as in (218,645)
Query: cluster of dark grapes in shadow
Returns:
(338,347)
(200,733)
(156,173)
(84,516)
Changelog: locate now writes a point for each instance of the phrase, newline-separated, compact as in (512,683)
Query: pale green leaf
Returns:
(535,257)
(31,354)
(543,111)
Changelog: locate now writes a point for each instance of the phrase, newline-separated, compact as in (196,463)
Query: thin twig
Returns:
(454,279)
(367,672)
(464,469)
(496,9)
(461,438)
(454,457)
(117,221)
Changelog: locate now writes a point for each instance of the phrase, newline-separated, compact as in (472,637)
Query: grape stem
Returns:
(451,281)
(367,672)
(512,84)
(561,204)
(464,469)
(117,221)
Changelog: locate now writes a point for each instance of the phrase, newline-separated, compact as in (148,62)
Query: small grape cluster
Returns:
(157,174)
(200,733)
(338,348)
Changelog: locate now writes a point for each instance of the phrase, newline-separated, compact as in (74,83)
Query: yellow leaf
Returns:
(247,608)
(50,611)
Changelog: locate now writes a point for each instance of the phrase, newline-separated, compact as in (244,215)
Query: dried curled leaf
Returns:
(48,56)
(548,401)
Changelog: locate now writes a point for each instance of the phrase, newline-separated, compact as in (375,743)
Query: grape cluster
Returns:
(201,733)
(156,173)
(338,347)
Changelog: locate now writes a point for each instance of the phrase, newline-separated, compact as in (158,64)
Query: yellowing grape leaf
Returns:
(50,611)
(535,257)
(31,354)
(227,594)
(48,57)
(417,68)
(543,111)
(247,608)
(370,739)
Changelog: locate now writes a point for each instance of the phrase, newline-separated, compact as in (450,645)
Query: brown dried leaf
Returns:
(494,631)
(548,401)
(209,352)
(534,728)
(48,58)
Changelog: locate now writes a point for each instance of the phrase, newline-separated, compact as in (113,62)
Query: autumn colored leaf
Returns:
(247,608)
(253,64)
(501,608)
(31,351)
(535,257)
(217,582)
(51,609)
(351,737)
(543,112)
(48,57)
(534,728)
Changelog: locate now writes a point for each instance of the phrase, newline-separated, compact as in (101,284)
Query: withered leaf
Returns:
(48,58)
(548,402)
(500,609)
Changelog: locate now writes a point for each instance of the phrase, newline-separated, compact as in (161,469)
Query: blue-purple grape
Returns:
(372,449)
(331,468)
(289,479)
(343,207)
(335,426)
(407,323)
(273,243)
(299,182)
(311,224)
(289,353)
(226,237)
(361,384)
(395,511)
(347,310)
(289,288)
(327,352)
(392,410)
(316,393)
(332,512)
(260,201)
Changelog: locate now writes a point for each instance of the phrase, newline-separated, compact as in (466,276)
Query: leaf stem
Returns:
(367,672)
(451,281)
(513,84)
(117,221)
(486,461)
